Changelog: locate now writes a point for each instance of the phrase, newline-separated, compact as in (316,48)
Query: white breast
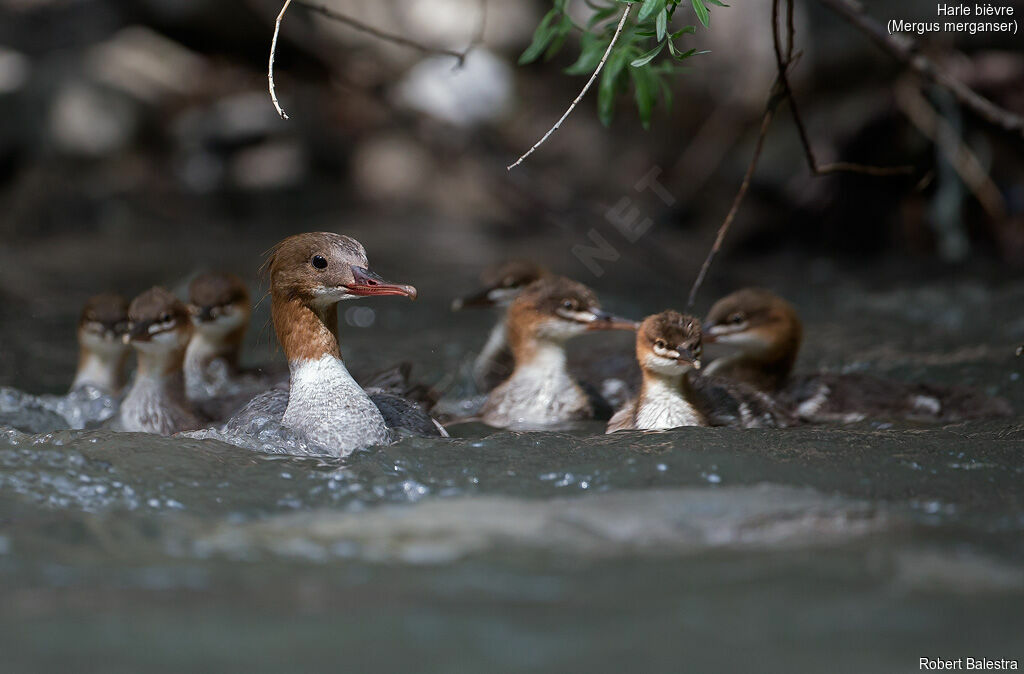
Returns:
(327,405)
(663,406)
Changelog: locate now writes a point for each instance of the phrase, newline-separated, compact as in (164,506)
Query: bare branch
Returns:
(905,50)
(783,65)
(766,120)
(586,88)
(921,113)
(334,15)
(270,66)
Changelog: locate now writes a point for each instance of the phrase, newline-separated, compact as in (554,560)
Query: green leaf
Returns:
(648,57)
(609,86)
(684,55)
(562,31)
(542,37)
(662,25)
(701,11)
(591,50)
(684,30)
(717,2)
(666,92)
(601,15)
(645,85)
(650,8)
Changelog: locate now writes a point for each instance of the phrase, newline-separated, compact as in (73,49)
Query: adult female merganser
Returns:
(668,349)
(765,333)
(540,392)
(502,283)
(309,274)
(160,330)
(102,351)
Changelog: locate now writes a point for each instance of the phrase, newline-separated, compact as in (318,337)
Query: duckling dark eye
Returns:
(165,318)
(570,304)
(319,261)
(736,319)
(660,344)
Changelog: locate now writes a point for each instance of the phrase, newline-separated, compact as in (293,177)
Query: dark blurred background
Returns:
(139,144)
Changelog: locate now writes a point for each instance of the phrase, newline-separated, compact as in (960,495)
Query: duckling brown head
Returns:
(102,327)
(754,321)
(103,324)
(554,309)
(669,344)
(160,329)
(220,306)
(502,283)
(762,329)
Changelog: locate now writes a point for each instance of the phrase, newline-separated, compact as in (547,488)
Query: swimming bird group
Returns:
(188,373)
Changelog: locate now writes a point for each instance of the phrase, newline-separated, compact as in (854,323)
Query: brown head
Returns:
(160,328)
(502,283)
(103,324)
(669,344)
(555,309)
(309,274)
(758,324)
(220,306)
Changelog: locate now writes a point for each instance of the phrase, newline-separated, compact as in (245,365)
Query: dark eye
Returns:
(660,344)
(736,319)
(569,304)
(166,318)
(320,262)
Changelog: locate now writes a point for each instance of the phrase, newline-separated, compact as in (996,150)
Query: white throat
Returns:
(663,405)
(540,392)
(327,405)
(104,371)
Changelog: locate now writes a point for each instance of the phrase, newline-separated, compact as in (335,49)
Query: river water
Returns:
(858,548)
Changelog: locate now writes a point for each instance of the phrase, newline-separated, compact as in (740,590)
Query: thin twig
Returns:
(586,88)
(335,15)
(921,113)
(766,120)
(905,49)
(459,56)
(783,65)
(270,66)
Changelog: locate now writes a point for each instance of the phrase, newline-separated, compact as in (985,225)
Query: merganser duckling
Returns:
(98,382)
(540,391)
(501,285)
(220,308)
(668,349)
(765,334)
(309,274)
(102,351)
(160,332)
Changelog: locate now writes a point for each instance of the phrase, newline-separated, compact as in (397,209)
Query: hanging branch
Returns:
(781,91)
(334,15)
(270,66)
(905,50)
(586,88)
(963,160)
(782,65)
(766,120)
